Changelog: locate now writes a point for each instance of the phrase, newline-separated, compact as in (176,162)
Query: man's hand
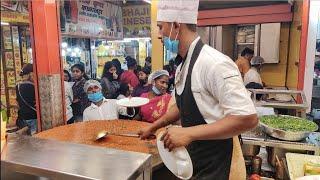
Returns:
(176,137)
(146,132)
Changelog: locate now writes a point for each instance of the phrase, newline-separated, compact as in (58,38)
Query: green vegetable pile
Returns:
(287,123)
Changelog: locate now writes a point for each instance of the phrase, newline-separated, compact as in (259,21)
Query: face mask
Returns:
(171,45)
(95,97)
(156,90)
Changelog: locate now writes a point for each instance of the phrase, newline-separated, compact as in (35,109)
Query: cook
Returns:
(211,100)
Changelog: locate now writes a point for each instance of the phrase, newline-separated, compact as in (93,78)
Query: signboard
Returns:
(14,11)
(91,18)
(136,21)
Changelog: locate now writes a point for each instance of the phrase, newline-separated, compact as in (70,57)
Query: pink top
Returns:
(156,108)
(129,78)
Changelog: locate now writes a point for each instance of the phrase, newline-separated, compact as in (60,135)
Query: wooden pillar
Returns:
(157,46)
(303,43)
(45,38)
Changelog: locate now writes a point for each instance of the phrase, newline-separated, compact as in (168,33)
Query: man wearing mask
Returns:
(143,86)
(211,100)
(101,108)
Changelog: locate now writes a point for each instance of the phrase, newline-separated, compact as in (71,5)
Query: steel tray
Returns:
(284,135)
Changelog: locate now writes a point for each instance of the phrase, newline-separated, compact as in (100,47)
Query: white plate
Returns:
(177,161)
(313,177)
(133,102)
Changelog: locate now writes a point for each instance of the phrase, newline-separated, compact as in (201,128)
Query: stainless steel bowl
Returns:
(284,135)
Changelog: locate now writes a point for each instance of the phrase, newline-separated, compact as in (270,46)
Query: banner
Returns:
(13,11)
(136,21)
(91,18)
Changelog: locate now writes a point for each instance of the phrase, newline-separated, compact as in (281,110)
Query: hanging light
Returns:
(64,45)
(63,52)
(77,50)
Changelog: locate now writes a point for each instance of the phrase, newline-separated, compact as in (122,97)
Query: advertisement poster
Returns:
(11,79)
(15,38)
(6,33)
(136,21)
(12,97)
(91,18)
(142,52)
(9,60)
(14,11)
(13,114)
(3,86)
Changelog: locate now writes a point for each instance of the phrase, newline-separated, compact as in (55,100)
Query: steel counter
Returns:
(60,160)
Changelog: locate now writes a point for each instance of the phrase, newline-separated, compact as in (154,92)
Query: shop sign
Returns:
(14,17)
(91,18)
(136,21)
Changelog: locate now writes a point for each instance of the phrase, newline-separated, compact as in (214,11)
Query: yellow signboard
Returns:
(14,17)
(136,21)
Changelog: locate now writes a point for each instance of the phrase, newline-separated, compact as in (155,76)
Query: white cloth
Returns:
(180,11)
(108,110)
(252,76)
(68,99)
(216,84)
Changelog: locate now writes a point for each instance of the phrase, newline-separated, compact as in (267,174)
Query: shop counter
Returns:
(51,159)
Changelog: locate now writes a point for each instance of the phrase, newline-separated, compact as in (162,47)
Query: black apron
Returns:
(211,159)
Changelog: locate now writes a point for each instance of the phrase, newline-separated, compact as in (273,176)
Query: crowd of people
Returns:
(95,99)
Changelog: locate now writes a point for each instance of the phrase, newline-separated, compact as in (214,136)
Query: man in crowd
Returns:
(129,77)
(243,62)
(101,108)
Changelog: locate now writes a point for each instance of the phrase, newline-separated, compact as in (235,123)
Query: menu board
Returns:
(11,80)
(6,34)
(8,57)
(12,97)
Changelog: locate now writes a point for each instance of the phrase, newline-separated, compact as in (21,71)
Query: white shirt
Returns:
(252,76)
(216,84)
(108,110)
(68,99)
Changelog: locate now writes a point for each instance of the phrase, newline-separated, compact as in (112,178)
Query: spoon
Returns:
(103,134)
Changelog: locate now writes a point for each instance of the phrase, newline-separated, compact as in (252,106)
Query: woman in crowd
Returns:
(143,86)
(80,99)
(158,96)
(27,113)
(68,96)
(109,82)
(67,76)
(117,63)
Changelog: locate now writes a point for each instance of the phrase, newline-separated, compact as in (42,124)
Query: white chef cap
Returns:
(90,83)
(159,73)
(180,11)
(257,60)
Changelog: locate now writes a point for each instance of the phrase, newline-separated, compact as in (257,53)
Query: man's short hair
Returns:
(192,27)
(247,51)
